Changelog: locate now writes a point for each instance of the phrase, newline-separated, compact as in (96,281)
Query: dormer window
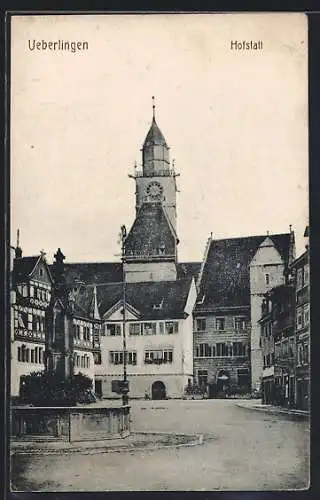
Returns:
(267,276)
(158,306)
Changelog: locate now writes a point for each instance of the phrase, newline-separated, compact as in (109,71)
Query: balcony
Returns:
(155,173)
(149,257)
(232,332)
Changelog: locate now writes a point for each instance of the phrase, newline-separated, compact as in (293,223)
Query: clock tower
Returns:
(150,248)
(156,181)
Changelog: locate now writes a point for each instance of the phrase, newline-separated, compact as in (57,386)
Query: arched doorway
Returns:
(158,390)
(223,381)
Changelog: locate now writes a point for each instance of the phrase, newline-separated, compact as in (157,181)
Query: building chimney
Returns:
(292,246)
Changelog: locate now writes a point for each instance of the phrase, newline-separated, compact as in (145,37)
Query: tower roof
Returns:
(154,136)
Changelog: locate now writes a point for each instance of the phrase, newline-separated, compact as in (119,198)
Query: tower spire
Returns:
(18,249)
(153,108)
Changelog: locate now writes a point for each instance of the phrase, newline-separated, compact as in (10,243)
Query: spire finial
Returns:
(153,108)
(18,237)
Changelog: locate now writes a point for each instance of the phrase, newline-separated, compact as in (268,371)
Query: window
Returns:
(31,291)
(220,324)
(22,320)
(239,349)
(41,355)
(76,331)
(267,277)
(291,347)
(200,324)
(36,323)
(132,357)
(221,350)
(203,351)
(306,315)
(27,356)
(149,328)
(171,327)
(299,278)
(306,275)
(113,329)
(24,291)
(239,324)
(32,356)
(116,357)
(299,319)
(202,378)
(158,356)
(97,358)
(19,354)
(86,333)
(134,328)
(305,354)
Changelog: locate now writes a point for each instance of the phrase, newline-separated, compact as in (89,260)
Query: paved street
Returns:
(248,450)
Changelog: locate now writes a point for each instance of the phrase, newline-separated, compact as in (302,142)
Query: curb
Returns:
(195,440)
(274,411)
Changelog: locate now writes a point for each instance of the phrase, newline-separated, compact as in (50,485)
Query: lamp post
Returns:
(125,384)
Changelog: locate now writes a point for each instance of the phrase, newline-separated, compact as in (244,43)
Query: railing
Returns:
(69,423)
(228,331)
(152,257)
(154,173)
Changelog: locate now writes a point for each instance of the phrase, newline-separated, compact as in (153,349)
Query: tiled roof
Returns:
(111,272)
(150,232)
(144,296)
(94,272)
(226,275)
(155,136)
(22,268)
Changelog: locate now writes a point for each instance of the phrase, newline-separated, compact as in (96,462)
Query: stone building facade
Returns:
(300,269)
(233,279)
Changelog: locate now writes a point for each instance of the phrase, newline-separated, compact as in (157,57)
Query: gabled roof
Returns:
(226,275)
(23,268)
(144,296)
(154,136)
(150,232)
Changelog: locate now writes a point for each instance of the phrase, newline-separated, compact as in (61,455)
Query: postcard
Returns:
(159,256)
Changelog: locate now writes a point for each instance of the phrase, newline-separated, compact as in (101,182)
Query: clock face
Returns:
(154,190)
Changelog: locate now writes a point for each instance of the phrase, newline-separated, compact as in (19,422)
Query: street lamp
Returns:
(125,384)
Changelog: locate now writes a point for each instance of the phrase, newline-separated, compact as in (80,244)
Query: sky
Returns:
(236,123)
